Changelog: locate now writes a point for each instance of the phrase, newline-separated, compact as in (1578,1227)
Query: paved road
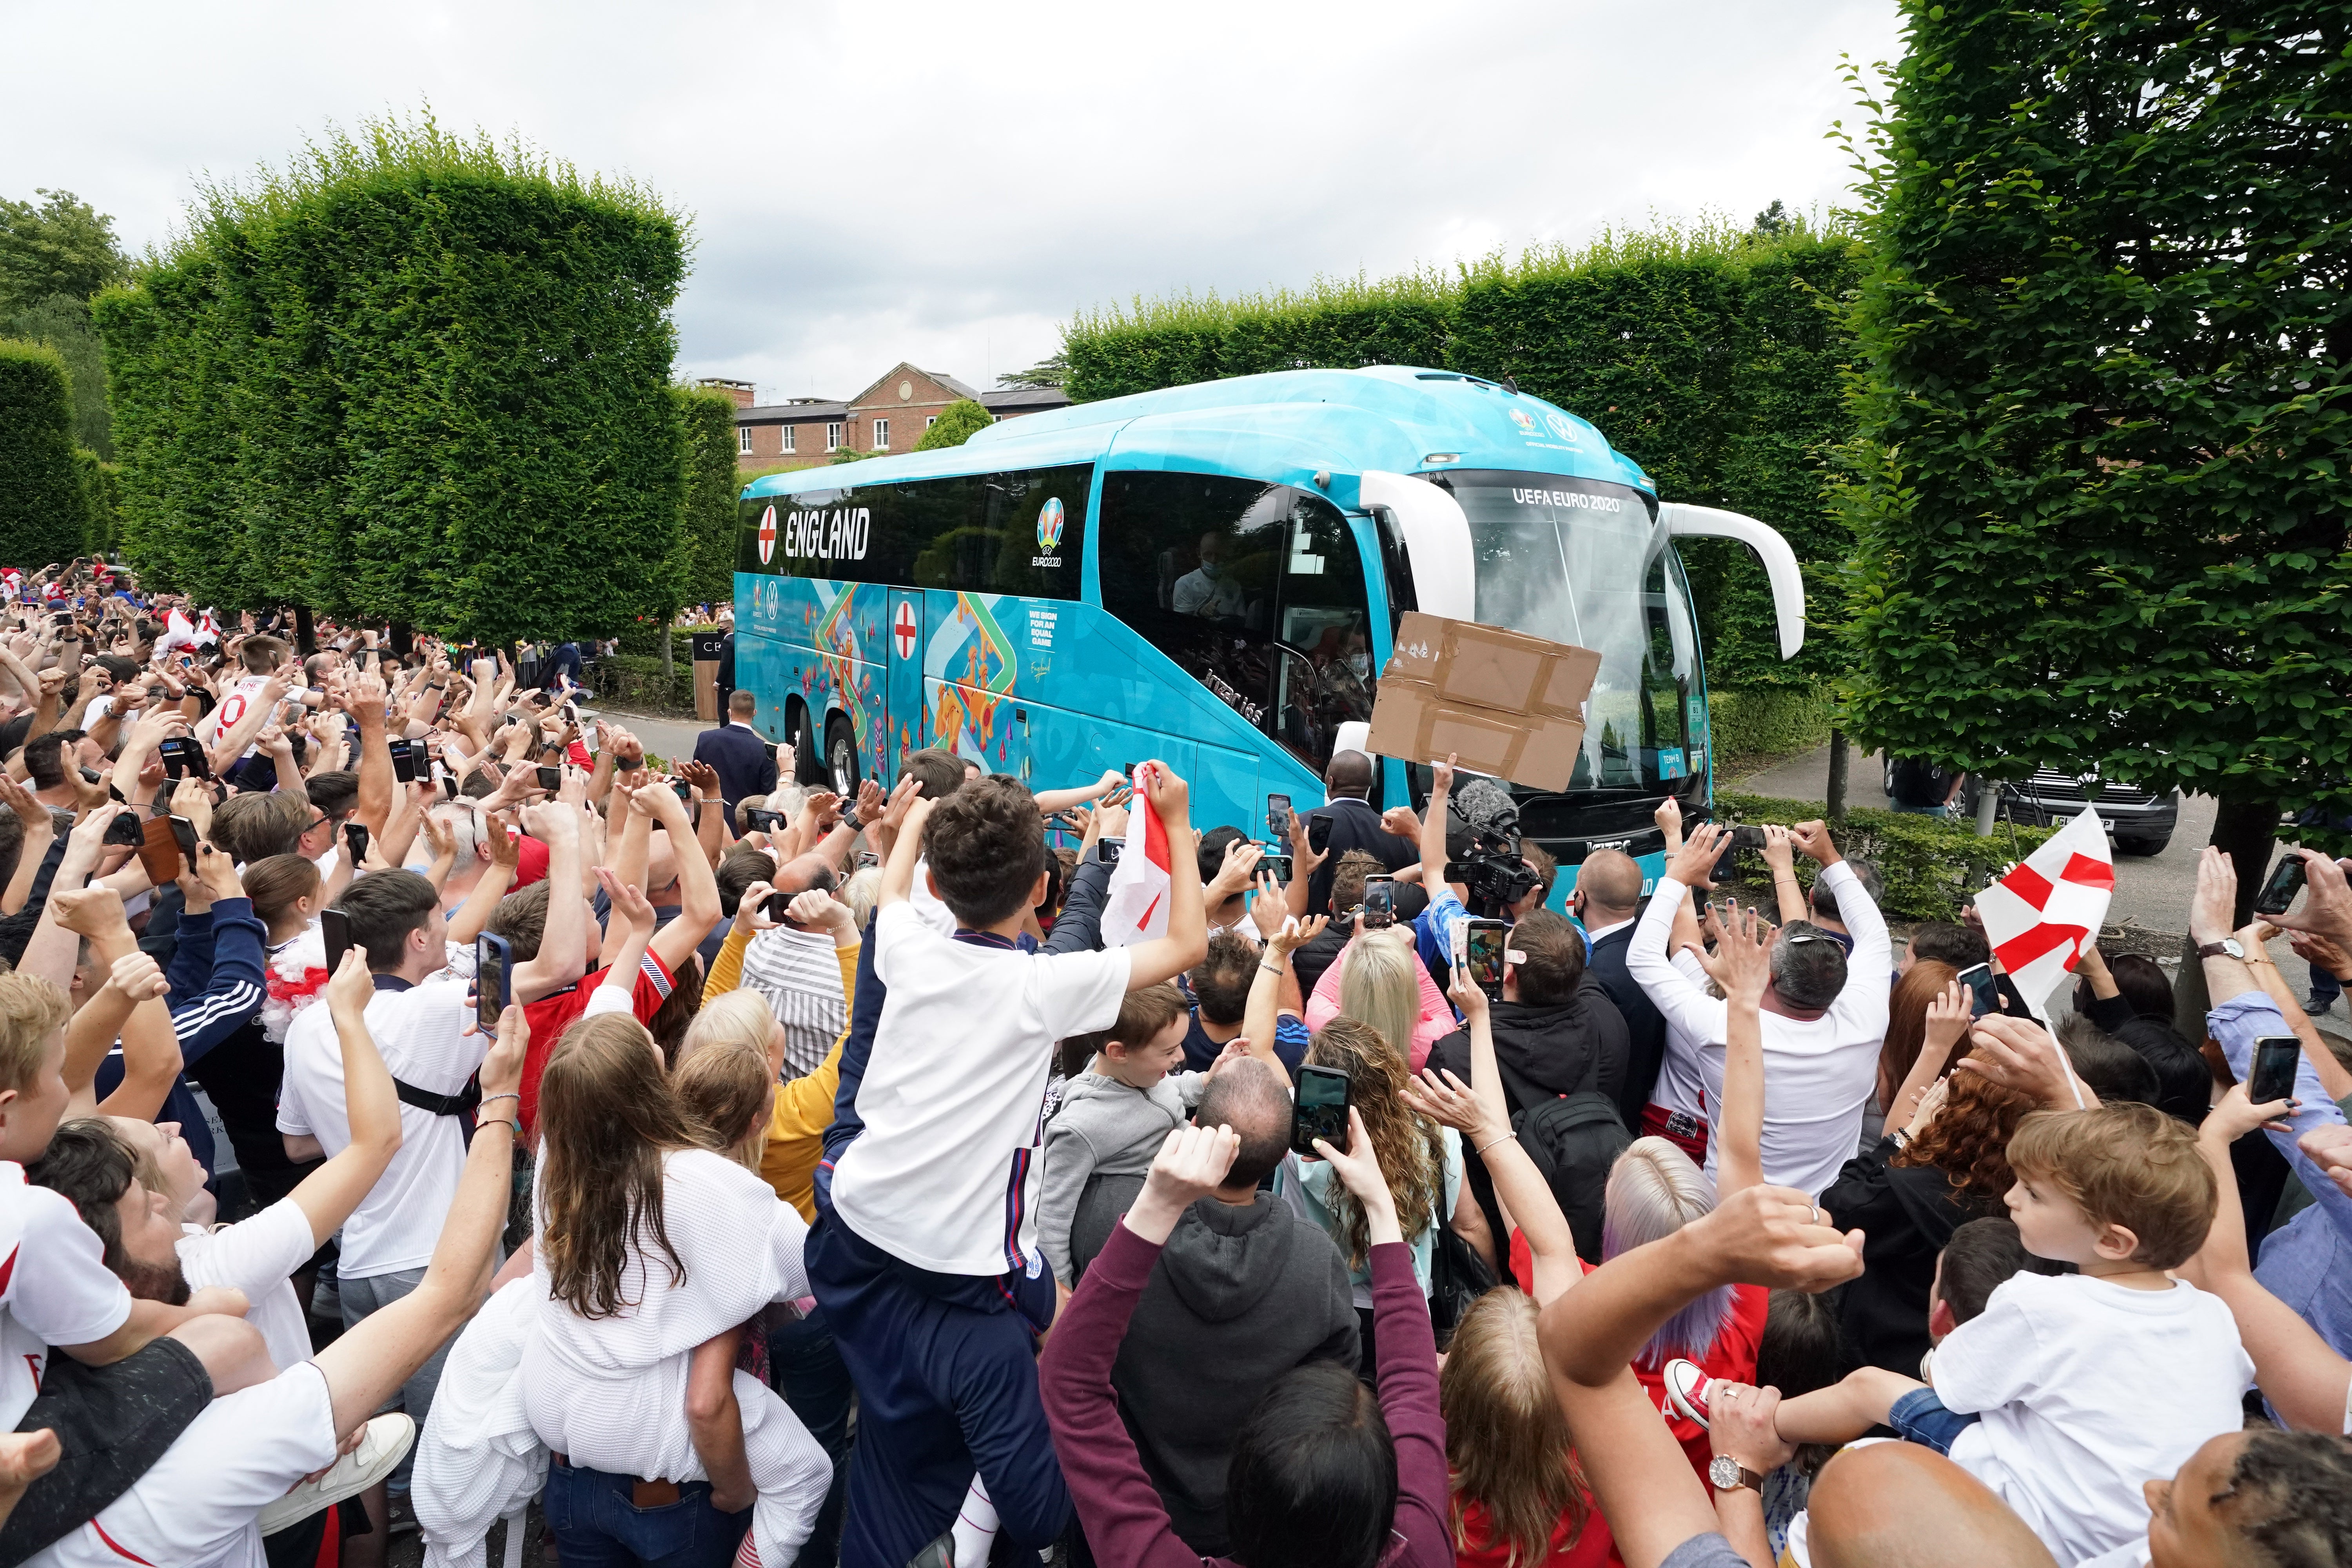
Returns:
(662,737)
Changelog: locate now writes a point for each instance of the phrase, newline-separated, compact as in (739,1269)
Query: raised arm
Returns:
(365,705)
(1647,961)
(1433,825)
(562,956)
(328,1195)
(1274,989)
(1742,965)
(1187,941)
(697,889)
(2334,1080)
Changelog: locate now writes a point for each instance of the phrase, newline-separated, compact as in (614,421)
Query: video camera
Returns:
(1484,839)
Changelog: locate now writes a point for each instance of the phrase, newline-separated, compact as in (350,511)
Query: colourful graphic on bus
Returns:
(834,635)
(972,666)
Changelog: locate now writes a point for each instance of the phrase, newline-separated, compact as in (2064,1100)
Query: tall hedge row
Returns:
(411,376)
(708,418)
(44,503)
(1712,356)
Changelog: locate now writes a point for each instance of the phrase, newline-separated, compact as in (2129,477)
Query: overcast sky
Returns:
(948,183)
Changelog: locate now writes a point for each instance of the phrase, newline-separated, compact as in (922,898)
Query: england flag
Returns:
(2040,916)
(1135,906)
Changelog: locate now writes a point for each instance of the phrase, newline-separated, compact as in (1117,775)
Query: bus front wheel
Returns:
(841,758)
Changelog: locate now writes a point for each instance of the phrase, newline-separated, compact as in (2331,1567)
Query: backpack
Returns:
(1574,1139)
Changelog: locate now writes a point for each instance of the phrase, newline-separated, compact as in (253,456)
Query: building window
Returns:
(881,435)
(743,439)
(790,442)
(931,421)
(833,437)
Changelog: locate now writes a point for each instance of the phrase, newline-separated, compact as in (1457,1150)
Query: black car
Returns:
(2140,821)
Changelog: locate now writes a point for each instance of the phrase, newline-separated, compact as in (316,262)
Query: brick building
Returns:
(889,416)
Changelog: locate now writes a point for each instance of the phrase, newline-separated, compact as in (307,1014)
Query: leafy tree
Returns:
(958,422)
(1775,220)
(58,246)
(44,504)
(849,455)
(709,418)
(62,322)
(1054,369)
(412,376)
(2105,340)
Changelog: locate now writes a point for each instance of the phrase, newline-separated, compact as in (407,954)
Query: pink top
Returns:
(1437,1019)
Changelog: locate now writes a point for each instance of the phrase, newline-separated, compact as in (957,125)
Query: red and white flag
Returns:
(1135,906)
(2040,916)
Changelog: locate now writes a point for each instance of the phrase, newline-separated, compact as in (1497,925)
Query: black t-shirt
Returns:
(1918,782)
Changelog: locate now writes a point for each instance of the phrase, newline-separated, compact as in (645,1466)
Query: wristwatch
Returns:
(1727,1474)
(2228,947)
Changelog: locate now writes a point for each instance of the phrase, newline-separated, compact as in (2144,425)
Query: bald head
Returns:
(1610,882)
(1897,1505)
(1245,1096)
(1350,772)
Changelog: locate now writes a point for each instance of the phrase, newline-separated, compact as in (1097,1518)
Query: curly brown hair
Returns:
(1906,1023)
(1410,1149)
(1969,1139)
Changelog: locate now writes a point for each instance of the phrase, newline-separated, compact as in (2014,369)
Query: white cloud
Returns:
(948,183)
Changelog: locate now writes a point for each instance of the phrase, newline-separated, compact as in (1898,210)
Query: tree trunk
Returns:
(306,631)
(403,639)
(669,675)
(2244,830)
(1838,749)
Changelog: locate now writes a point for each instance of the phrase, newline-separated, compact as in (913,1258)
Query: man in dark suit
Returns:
(1608,896)
(1354,826)
(741,756)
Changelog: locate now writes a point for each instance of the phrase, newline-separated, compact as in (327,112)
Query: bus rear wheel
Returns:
(841,758)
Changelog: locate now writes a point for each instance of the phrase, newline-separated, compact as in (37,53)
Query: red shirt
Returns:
(1593,1546)
(1733,1355)
(550,1015)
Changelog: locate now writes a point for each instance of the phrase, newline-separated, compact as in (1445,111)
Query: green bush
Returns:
(633,680)
(644,639)
(44,505)
(410,376)
(708,418)
(1932,866)
(958,422)
(1713,356)
(1766,722)
(102,493)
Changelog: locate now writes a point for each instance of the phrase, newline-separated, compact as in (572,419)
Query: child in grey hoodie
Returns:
(1115,1113)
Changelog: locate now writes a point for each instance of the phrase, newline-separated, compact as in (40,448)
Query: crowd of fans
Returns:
(748,1175)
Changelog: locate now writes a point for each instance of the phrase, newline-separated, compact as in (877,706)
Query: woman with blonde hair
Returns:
(1378,979)
(1421,1160)
(650,1245)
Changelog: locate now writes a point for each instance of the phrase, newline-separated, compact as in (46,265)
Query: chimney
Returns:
(742,392)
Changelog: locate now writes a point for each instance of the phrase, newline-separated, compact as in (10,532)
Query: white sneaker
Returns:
(382,1447)
(1687,1387)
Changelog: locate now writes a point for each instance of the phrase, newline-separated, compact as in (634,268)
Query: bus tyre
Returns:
(808,768)
(841,758)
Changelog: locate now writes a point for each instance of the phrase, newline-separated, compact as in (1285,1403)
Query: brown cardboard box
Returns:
(1501,702)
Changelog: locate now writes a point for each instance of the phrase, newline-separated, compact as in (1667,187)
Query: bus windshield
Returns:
(1586,562)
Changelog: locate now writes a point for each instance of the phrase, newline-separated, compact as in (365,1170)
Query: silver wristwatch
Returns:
(1727,1474)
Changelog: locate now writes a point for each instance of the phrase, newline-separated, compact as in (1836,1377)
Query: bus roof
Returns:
(1285,428)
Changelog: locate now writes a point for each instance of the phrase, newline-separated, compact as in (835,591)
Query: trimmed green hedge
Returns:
(1712,356)
(634,680)
(1931,865)
(414,377)
(1766,722)
(44,503)
(707,417)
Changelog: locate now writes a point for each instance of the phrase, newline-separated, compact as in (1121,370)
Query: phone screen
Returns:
(1320,1111)
(1318,835)
(1109,849)
(186,832)
(550,779)
(2275,1056)
(335,927)
(1280,865)
(2280,887)
(1482,953)
(355,834)
(1277,818)
(684,791)
(1379,902)
(490,983)
(1984,995)
(404,760)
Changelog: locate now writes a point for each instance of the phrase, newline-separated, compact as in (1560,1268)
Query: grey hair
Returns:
(1654,1190)
(861,892)
(1808,965)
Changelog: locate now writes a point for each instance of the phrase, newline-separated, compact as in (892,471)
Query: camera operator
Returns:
(1495,877)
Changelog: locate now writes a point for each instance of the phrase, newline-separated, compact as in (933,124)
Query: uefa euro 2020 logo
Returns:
(1049,525)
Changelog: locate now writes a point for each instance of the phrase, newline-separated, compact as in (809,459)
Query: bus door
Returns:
(904,707)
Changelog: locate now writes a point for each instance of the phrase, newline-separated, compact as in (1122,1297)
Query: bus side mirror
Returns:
(1685,522)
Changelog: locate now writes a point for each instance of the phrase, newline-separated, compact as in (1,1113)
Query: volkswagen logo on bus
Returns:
(1050,519)
(767,536)
(1560,426)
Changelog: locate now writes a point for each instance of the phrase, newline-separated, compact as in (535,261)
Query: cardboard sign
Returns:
(1501,702)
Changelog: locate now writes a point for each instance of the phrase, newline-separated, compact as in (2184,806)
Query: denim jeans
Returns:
(810,1375)
(596,1526)
(1921,1418)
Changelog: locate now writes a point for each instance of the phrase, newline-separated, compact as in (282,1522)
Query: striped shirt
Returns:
(799,974)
